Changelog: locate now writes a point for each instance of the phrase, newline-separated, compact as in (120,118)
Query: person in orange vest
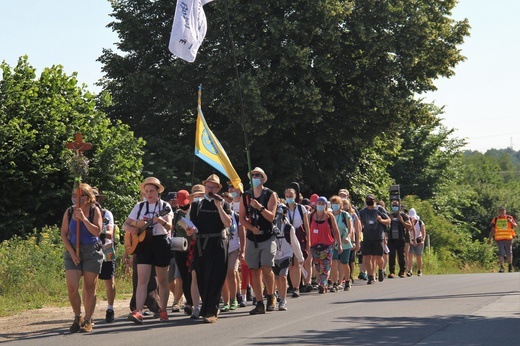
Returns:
(502,230)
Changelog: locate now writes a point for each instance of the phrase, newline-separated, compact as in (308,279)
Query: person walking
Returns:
(503,231)
(399,224)
(88,263)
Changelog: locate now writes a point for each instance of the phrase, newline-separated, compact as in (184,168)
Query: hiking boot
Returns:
(259,309)
(296,293)
(370,280)
(233,305)
(334,288)
(240,299)
(86,326)
(391,275)
(225,308)
(510,267)
(163,316)
(348,285)
(136,317)
(76,325)
(196,312)
(109,316)
(210,319)
(381,275)
(271,302)
(419,272)
(283,305)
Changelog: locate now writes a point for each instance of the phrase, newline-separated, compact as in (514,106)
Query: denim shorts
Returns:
(91,259)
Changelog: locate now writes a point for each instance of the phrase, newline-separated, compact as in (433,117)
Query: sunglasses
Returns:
(256,175)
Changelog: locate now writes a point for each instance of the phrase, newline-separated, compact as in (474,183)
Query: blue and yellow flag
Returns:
(209,149)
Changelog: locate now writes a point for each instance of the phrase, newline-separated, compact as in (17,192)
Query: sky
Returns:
(480,101)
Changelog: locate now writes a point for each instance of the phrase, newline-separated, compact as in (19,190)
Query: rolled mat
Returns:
(179,243)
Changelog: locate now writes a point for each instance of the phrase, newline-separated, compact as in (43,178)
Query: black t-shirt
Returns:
(397,230)
(372,229)
(257,219)
(204,214)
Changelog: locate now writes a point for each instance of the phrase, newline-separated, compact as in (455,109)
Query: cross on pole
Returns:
(78,147)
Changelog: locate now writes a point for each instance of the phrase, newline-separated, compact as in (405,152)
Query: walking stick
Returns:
(78,167)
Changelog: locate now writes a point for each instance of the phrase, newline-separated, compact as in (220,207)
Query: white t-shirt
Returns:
(109,222)
(149,213)
(294,215)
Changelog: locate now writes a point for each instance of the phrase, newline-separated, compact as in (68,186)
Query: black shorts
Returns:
(352,258)
(156,252)
(108,270)
(372,247)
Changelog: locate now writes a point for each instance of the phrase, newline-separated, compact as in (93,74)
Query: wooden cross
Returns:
(78,146)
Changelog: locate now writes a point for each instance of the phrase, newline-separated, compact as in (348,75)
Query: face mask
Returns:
(395,208)
(257,182)
(195,200)
(335,207)
(320,207)
(184,207)
(289,200)
(234,194)
(370,203)
(343,198)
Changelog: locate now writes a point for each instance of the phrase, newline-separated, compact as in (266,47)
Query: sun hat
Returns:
(213,179)
(151,181)
(259,171)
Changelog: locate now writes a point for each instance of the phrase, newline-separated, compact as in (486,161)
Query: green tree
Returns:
(320,80)
(38,116)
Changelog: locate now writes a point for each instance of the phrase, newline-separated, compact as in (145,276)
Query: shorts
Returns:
(233,261)
(108,270)
(343,257)
(352,256)
(262,255)
(91,259)
(372,247)
(281,266)
(505,248)
(417,250)
(156,252)
(173,271)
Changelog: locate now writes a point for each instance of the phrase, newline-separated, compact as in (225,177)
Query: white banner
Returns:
(188,29)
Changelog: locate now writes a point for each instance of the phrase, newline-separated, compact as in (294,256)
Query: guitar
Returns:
(133,240)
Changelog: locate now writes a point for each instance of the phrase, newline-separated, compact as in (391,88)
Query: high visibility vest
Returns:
(503,228)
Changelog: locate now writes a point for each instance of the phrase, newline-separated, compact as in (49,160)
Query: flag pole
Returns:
(243,117)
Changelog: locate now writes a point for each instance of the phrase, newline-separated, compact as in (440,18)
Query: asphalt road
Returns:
(468,309)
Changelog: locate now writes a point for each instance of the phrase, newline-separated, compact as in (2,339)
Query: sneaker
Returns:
(391,275)
(210,319)
(308,288)
(249,295)
(271,302)
(233,305)
(240,299)
(76,325)
(109,316)
(419,272)
(136,317)
(296,293)
(283,305)
(348,285)
(225,308)
(259,309)
(86,326)
(321,289)
(370,280)
(510,268)
(341,287)
(409,274)
(243,303)
(196,312)
(501,270)
(163,316)
(333,288)
(176,307)
(381,275)
(401,275)
(188,310)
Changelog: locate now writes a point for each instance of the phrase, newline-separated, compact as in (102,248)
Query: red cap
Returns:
(182,197)
(314,199)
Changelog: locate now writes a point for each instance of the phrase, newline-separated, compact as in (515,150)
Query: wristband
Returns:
(263,208)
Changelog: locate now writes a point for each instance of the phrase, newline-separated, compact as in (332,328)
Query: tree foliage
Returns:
(320,81)
(38,116)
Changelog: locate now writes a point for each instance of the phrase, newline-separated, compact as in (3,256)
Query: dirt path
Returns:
(51,320)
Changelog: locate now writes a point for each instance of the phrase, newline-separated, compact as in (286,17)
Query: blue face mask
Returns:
(195,200)
(320,207)
(257,182)
(234,194)
(395,208)
(289,200)
(335,207)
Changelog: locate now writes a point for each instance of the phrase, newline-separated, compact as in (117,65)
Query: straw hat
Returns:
(213,179)
(196,191)
(151,181)
(259,171)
